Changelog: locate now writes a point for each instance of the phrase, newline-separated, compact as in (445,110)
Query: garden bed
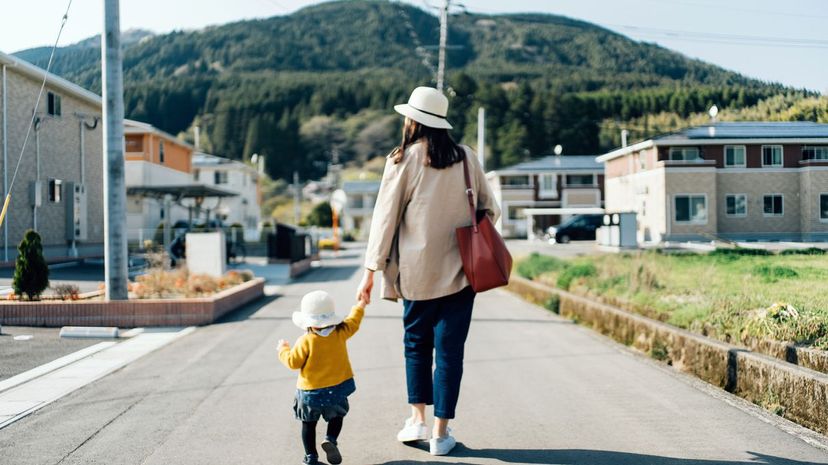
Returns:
(772,303)
(132,313)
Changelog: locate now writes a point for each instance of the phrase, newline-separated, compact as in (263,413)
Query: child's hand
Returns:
(362,303)
(283,344)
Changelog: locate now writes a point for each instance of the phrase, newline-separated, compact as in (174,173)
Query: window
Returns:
(823,207)
(161,152)
(220,177)
(734,155)
(771,155)
(580,179)
(773,205)
(162,213)
(815,152)
(685,154)
(134,143)
(514,181)
(196,174)
(691,209)
(516,213)
(736,205)
(53,103)
(55,190)
(548,186)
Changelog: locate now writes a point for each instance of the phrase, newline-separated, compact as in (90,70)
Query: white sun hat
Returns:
(317,311)
(427,106)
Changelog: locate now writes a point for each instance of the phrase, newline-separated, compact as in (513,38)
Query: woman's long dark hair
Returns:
(441,150)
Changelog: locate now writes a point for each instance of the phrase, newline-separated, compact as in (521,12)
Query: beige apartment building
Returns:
(58,190)
(729,180)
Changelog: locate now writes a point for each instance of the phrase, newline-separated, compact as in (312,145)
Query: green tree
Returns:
(321,215)
(31,274)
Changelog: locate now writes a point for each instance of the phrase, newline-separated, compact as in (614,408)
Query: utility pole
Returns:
(481,136)
(441,66)
(114,188)
(297,206)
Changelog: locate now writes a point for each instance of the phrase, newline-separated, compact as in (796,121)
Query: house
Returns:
(356,216)
(565,184)
(58,190)
(154,158)
(731,180)
(237,177)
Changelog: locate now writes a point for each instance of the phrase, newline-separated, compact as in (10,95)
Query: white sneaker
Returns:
(442,446)
(413,431)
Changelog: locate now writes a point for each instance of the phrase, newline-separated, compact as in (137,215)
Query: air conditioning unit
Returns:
(76,215)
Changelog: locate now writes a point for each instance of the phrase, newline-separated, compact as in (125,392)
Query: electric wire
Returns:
(34,112)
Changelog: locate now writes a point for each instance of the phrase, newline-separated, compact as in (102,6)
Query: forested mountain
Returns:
(297,88)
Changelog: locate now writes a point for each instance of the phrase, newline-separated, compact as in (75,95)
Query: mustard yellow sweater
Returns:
(323,361)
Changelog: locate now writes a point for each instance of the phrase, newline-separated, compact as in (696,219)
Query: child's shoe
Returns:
(332,452)
(311,460)
(413,431)
(442,446)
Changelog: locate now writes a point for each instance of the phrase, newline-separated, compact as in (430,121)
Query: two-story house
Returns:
(236,177)
(359,207)
(731,180)
(58,189)
(153,158)
(562,182)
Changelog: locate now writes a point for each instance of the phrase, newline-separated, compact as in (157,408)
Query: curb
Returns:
(796,393)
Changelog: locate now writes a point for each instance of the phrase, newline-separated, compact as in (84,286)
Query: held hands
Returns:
(365,287)
(283,345)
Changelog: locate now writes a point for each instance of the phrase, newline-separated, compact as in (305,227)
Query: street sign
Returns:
(338,200)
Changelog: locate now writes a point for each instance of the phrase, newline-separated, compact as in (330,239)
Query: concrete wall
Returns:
(60,149)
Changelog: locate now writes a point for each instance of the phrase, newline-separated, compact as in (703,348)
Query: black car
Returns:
(577,228)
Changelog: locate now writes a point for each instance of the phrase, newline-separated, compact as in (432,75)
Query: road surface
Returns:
(537,390)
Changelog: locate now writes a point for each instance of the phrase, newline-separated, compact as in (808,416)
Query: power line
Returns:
(725,38)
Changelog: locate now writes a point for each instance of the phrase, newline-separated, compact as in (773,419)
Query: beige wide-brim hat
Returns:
(317,311)
(427,106)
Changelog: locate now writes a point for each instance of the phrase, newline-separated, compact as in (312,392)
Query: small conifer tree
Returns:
(31,274)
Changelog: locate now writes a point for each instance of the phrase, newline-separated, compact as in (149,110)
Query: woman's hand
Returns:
(365,287)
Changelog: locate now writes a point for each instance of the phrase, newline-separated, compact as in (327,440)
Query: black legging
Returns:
(309,434)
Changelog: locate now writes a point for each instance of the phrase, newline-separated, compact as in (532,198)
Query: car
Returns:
(576,228)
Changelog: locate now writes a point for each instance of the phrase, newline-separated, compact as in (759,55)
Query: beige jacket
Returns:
(412,238)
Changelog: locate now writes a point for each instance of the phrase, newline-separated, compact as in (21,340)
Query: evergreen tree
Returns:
(31,274)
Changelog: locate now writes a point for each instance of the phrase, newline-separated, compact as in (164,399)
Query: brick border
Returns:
(800,393)
(131,313)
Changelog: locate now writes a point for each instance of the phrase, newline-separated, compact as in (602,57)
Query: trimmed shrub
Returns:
(31,274)
(772,273)
(573,272)
(808,251)
(740,251)
(536,264)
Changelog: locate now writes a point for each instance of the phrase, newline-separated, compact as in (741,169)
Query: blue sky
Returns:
(771,40)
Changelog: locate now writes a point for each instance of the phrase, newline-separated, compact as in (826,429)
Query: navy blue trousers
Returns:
(435,334)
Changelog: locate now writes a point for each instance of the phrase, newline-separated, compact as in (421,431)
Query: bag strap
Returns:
(469,193)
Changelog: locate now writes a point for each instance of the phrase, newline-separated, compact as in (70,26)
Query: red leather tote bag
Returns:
(486,260)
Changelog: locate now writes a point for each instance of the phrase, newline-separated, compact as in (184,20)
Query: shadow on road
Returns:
(591,457)
(327,273)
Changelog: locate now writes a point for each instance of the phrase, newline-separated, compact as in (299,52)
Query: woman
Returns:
(421,201)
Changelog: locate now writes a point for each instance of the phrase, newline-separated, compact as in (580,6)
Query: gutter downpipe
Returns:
(5,130)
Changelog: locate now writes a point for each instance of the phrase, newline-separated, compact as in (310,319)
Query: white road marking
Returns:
(25,398)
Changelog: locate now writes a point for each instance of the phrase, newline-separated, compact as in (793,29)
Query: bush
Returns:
(808,251)
(321,215)
(580,270)
(740,251)
(537,264)
(31,274)
(772,273)
(67,291)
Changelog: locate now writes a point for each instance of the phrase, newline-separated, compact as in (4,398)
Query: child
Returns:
(325,376)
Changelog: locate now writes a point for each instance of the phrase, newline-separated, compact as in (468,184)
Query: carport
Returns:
(167,195)
(531,213)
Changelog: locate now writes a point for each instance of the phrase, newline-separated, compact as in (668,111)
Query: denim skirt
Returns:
(327,403)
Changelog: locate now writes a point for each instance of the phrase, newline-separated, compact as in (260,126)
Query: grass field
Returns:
(733,295)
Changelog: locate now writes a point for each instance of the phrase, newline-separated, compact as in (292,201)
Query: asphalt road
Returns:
(537,390)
